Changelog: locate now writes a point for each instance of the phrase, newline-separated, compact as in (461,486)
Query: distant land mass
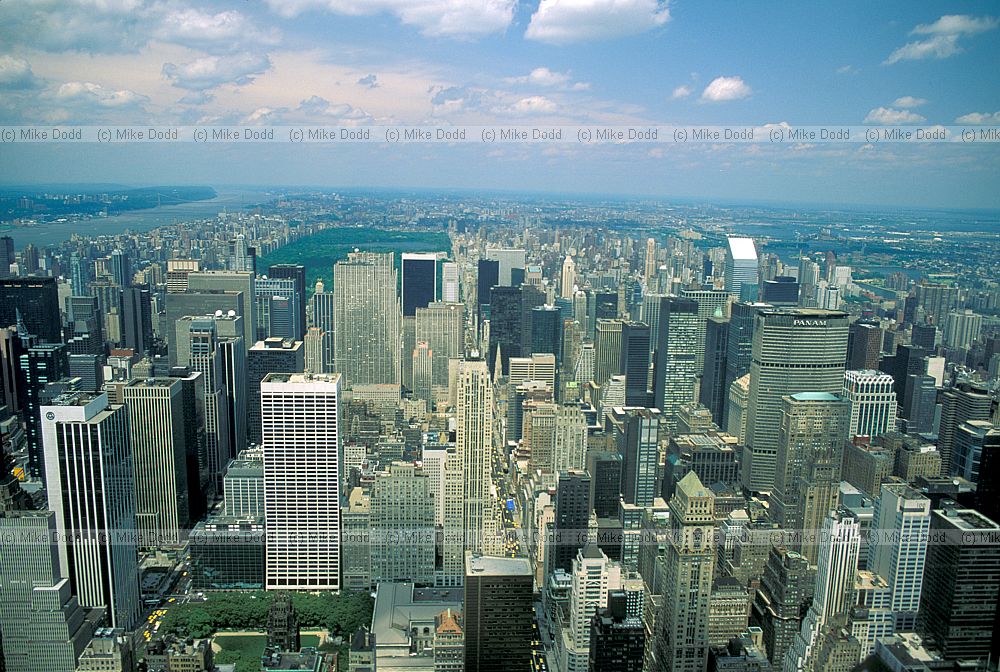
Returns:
(49,203)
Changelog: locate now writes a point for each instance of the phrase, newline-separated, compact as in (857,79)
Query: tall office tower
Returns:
(277,307)
(296,272)
(937,301)
(572,513)
(650,314)
(312,346)
(567,282)
(959,405)
(675,369)
(487,277)
(605,477)
(634,362)
(6,256)
(794,350)
(920,405)
(442,326)
(908,361)
(419,271)
(987,495)
(137,318)
(593,575)
(206,358)
(711,303)
(713,390)
(834,592)
(42,623)
(79,274)
(605,305)
(970,443)
(210,282)
(510,322)
(243,485)
(38,366)
(902,519)
(449,282)
(962,328)
(402,525)
(741,265)
(689,562)
(84,326)
(11,350)
(121,268)
(88,481)
(649,263)
(474,444)
(617,638)
(423,373)
(498,613)
(546,331)
(537,368)
(511,261)
(155,410)
(29,259)
(321,316)
(584,370)
(783,290)
(452,518)
(607,350)
(636,431)
(739,343)
(303,463)
(367,321)
(924,336)
(961,583)
(582,313)
(809,457)
(271,356)
(177,273)
(864,346)
(785,592)
(36,300)
(570,445)
(873,402)
(828,297)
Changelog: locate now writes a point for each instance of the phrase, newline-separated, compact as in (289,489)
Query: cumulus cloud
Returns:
(681,92)
(979,118)
(342,113)
(438,18)
(223,32)
(88,93)
(210,72)
(891,116)
(550,79)
(909,101)
(941,38)
(16,75)
(567,21)
(725,88)
(93,26)
(370,81)
(533,105)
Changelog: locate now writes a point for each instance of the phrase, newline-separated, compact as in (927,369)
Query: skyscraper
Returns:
(402,525)
(449,282)
(711,303)
(617,638)
(713,390)
(367,321)
(675,369)
(637,433)
(474,445)
(690,561)
(898,550)
(297,273)
(38,366)
(121,268)
(442,326)
(959,405)
(303,463)
(273,355)
(322,315)
(156,419)
(498,613)
(277,308)
(37,302)
(510,322)
(873,402)
(864,346)
(810,453)
(206,358)
(607,350)
(634,362)
(741,265)
(786,591)
(546,331)
(567,281)
(89,484)
(593,576)
(794,350)
(487,277)
(572,512)
(419,272)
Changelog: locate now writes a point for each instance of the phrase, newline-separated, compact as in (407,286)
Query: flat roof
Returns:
(488,565)
(742,248)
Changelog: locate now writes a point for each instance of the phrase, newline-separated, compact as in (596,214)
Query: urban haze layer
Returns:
(378,431)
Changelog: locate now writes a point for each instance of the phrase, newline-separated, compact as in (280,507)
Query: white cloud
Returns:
(342,113)
(15,74)
(550,79)
(890,116)
(533,105)
(92,26)
(942,37)
(370,81)
(725,88)
(210,72)
(846,70)
(223,32)
(438,18)
(979,118)
(566,21)
(89,93)
(681,92)
(909,101)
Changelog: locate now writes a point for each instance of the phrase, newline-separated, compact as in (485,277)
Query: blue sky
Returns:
(487,61)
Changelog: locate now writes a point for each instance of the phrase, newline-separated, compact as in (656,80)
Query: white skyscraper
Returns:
(300,418)
(593,576)
(474,444)
(741,264)
(442,326)
(449,282)
(568,280)
(873,402)
(367,319)
(88,481)
(902,522)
